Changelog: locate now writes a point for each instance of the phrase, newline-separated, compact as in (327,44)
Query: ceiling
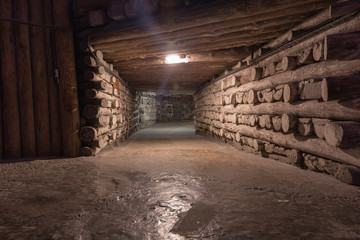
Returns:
(215,35)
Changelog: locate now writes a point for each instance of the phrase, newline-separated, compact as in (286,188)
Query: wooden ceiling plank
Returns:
(223,27)
(227,11)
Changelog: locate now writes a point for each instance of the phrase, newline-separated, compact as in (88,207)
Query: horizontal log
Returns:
(288,63)
(311,91)
(100,85)
(340,87)
(348,174)
(350,26)
(305,127)
(342,134)
(101,102)
(100,121)
(318,51)
(95,94)
(333,11)
(314,146)
(342,46)
(276,122)
(313,71)
(289,123)
(91,111)
(319,126)
(290,92)
(306,57)
(89,151)
(337,110)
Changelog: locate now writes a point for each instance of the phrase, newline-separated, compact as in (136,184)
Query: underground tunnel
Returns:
(179,119)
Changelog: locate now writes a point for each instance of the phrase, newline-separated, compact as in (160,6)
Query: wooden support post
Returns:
(9,88)
(54,104)
(40,83)
(23,62)
(1,125)
(69,107)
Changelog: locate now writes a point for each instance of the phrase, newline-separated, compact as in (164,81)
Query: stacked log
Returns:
(107,104)
(306,104)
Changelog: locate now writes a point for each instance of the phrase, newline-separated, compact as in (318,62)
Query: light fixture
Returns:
(174,58)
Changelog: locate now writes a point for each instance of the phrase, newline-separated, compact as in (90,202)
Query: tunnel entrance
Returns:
(179,119)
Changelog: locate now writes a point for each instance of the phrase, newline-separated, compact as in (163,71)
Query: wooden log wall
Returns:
(39,112)
(108,108)
(299,105)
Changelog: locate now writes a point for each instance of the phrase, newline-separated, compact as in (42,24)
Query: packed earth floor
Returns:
(165,182)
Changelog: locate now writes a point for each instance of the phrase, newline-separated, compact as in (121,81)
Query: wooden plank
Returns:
(23,61)
(9,94)
(54,104)
(1,125)
(65,56)
(40,84)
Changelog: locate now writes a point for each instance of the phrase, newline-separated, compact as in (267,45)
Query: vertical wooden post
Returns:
(55,126)
(40,84)
(9,94)
(1,131)
(69,103)
(23,62)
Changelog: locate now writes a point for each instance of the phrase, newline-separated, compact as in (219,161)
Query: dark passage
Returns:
(165,182)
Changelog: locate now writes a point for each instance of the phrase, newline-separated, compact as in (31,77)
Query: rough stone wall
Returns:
(294,104)
(159,107)
(147,108)
(174,107)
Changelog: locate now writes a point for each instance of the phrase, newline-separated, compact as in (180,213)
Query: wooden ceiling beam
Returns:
(227,11)
(237,39)
(215,29)
(222,56)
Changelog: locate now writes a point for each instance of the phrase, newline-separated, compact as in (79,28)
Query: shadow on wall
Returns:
(161,107)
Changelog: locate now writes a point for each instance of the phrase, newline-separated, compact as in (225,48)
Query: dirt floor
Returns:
(165,182)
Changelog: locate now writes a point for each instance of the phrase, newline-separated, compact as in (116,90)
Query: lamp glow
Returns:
(174,58)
